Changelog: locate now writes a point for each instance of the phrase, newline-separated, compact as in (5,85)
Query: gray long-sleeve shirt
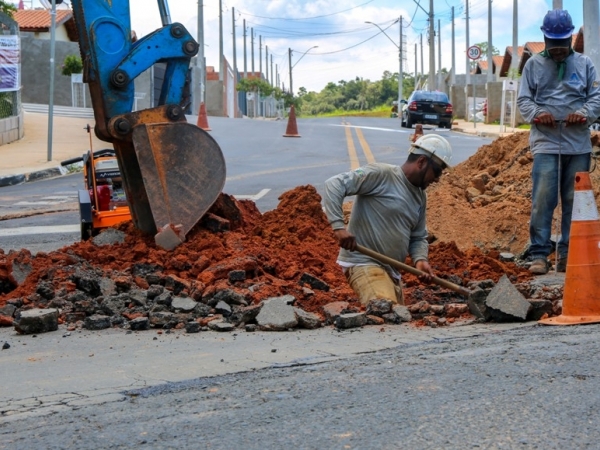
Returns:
(388,214)
(542,91)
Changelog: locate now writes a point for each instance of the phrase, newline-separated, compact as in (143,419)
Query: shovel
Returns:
(401,266)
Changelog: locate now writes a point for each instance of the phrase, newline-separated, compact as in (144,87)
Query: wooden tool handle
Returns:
(405,267)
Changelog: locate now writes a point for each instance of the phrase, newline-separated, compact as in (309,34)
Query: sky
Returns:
(346,46)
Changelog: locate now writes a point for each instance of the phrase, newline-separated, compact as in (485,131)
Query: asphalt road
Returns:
(261,165)
(527,388)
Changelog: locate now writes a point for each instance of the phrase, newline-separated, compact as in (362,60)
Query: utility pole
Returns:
(52,65)
(416,71)
(245,61)
(277,75)
(468,72)
(252,49)
(422,73)
(235,74)
(432,84)
(290,65)
(490,55)
(557,4)
(271,69)
(453,71)
(267,62)
(514,62)
(591,39)
(200,56)
(439,74)
(220,40)
(401,73)
(260,56)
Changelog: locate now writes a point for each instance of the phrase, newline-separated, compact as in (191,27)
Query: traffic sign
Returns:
(474,52)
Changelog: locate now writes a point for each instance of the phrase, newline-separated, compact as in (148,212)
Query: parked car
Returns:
(427,107)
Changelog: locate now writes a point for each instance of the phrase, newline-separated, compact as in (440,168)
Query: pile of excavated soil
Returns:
(235,252)
(485,202)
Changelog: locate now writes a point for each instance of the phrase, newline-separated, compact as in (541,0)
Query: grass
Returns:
(381,111)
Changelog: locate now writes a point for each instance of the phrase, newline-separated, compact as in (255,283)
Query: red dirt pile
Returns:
(269,254)
(485,201)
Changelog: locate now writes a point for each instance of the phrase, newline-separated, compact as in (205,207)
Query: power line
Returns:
(310,18)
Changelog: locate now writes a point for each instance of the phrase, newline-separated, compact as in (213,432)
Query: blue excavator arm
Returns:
(172,170)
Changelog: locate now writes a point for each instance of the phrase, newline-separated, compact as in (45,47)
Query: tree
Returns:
(484,48)
(7,8)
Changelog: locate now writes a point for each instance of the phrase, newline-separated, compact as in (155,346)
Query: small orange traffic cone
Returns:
(581,295)
(202,118)
(292,127)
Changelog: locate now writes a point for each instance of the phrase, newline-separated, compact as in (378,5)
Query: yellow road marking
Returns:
(365,147)
(354,164)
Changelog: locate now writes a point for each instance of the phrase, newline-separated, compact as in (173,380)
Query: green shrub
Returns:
(71,65)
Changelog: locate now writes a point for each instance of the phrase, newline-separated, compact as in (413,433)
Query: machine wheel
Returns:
(87,230)
(408,122)
(402,122)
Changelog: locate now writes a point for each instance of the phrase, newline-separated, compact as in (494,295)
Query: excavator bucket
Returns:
(181,174)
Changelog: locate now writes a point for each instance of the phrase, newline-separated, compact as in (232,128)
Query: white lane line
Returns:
(39,230)
(25,203)
(255,197)
(370,128)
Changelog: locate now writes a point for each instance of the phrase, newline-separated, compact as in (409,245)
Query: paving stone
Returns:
(379,307)
(185,304)
(334,309)
(351,320)
(223,308)
(402,313)
(217,325)
(277,314)
(505,303)
(307,319)
(139,324)
(192,327)
(96,322)
(539,307)
(314,282)
(236,275)
(160,318)
(244,314)
(36,321)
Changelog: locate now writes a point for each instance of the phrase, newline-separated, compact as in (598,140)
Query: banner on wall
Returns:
(10,63)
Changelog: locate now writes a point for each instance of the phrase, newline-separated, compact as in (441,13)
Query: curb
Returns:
(12,180)
(477,133)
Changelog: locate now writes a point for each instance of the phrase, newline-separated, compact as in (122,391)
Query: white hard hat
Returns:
(435,146)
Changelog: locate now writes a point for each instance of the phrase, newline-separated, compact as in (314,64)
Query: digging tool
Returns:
(405,267)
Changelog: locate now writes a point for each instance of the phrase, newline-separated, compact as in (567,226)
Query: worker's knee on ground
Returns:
(373,283)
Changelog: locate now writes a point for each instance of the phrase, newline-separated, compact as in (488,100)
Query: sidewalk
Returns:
(483,129)
(27,159)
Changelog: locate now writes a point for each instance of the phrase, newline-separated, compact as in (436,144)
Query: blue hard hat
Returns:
(558,24)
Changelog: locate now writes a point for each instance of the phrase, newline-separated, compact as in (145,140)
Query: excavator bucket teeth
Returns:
(183,172)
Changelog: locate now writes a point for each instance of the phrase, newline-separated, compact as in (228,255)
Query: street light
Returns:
(400,77)
(291,67)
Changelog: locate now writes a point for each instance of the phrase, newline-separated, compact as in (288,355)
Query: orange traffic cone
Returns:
(581,296)
(292,127)
(202,118)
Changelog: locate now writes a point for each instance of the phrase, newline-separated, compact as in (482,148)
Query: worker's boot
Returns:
(539,266)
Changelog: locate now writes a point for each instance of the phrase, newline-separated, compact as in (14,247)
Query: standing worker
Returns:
(560,96)
(388,216)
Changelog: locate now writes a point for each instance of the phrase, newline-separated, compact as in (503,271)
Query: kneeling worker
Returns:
(388,216)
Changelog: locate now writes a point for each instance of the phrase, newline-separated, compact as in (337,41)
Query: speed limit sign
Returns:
(474,52)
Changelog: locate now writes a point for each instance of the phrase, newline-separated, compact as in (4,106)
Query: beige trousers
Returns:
(374,283)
